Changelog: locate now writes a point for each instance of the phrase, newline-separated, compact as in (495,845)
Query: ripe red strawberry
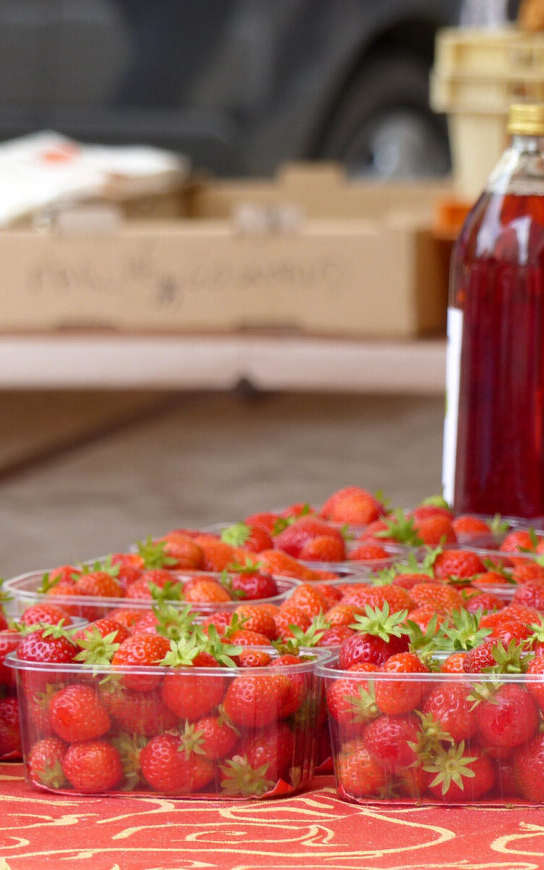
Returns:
(253,658)
(10,639)
(323,548)
(435,531)
(530,594)
(92,767)
(255,701)
(99,584)
(144,650)
(272,748)
(438,595)
(456,774)
(45,613)
(351,505)
(307,598)
(424,511)
(187,693)
(396,597)
(351,701)
(519,540)
(453,664)
(401,696)
(205,590)
(451,707)
(508,718)
(293,538)
(76,714)
(182,552)
(253,585)
(359,595)
(167,768)
(368,553)
(341,614)
(103,627)
(10,739)
(126,617)
(63,574)
(217,554)
(489,578)
(45,763)
(49,645)
(470,527)
(256,619)
(536,688)
(137,712)
(457,563)
(423,615)
(358,772)
(379,636)
(507,630)
(213,736)
(486,601)
(529,769)
(527,570)
(243,637)
(287,616)
(253,537)
(279,564)
(331,595)
(388,740)
(335,636)
(266,520)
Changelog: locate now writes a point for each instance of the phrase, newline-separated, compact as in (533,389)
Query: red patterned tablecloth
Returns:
(314,830)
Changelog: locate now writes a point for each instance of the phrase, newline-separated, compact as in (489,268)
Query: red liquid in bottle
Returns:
(498,283)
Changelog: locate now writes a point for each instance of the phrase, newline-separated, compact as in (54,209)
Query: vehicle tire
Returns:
(384,126)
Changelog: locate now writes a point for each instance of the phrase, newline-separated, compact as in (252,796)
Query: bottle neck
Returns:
(521,168)
(524,144)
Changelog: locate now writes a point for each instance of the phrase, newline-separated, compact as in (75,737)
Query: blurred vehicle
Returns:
(238,85)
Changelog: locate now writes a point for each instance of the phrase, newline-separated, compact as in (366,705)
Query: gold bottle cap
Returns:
(526,119)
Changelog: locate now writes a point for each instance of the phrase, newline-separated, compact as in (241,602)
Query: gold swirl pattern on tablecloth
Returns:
(310,830)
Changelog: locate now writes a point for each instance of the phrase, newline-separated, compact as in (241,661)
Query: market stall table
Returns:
(314,829)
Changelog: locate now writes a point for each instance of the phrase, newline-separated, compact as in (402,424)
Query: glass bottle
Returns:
(493,457)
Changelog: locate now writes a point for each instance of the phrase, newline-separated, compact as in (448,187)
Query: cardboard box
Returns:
(385,277)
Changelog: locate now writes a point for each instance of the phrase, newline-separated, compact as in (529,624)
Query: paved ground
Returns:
(213,457)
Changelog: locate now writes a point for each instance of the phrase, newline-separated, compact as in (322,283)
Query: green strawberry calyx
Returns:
(49,582)
(57,631)
(423,643)
(225,580)
(182,652)
(436,501)
(498,526)
(363,704)
(96,649)
(497,568)
(171,591)
(248,567)
(174,623)
(401,528)
(106,566)
(430,738)
(52,775)
(240,778)
(381,623)
(154,554)
(221,651)
(191,740)
(236,535)
(450,766)
(461,632)
(129,747)
(537,633)
(303,638)
(237,623)
(282,523)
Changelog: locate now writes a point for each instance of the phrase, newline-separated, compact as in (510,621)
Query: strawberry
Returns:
(137,712)
(205,590)
(62,574)
(255,701)
(167,768)
(351,700)
(453,664)
(439,596)
(359,595)
(272,748)
(435,531)
(368,553)
(457,563)
(358,773)
(529,769)
(92,767)
(453,776)
(217,554)
(10,740)
(188,694)
(424,511)
(213,736)
(469,527)
(401,696)
(258,620)
(252,585)
(292,539)
(486,602)
(182,552)
(527,570)
(279,564)
(341,614)
(330,594)
(509,717)
(125,617)
(9,641)
(424,615)
(45,763)
(519,540)
(323,548)
(451,707)
(253,658)
(351,505)
(253,537)
(489,578)
(50,645)
(99,584)
(289,616)
(491,655)
(307,598)
(334,636)
(396,597)
(142,650)
(266,520)
(246,637)
(103,627)
(380,635)
(76,713)
(530,594)
(390,740)
(507,630)
(45,613)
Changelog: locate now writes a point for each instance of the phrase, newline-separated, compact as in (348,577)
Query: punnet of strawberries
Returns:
(178,709)
(435,620)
